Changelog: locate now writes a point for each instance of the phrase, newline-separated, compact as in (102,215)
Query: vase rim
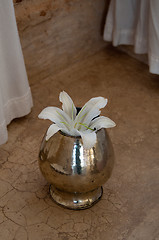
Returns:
(67,135)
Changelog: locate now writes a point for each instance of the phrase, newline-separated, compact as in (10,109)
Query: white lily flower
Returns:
(85,124)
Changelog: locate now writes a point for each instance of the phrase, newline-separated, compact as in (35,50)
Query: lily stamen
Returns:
(83,124)
(65,124)
(62,118)
(80,120)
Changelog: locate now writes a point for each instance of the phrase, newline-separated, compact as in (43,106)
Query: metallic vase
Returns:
(76,174)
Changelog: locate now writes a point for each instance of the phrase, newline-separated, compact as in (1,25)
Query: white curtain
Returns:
(135,22)
(15,95)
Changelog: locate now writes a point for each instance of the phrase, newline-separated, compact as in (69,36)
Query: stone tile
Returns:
(129,207)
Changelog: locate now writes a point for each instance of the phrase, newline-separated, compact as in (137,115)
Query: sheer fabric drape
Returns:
(15,94)
(135,22)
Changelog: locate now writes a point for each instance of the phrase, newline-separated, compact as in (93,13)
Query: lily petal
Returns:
(51,131)
(89,111)
(89,139)
(57,116)
(102,122)
(68,105)
(74,132)
(54,128)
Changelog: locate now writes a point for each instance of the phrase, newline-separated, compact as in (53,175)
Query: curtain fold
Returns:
(15,94)
(135,22)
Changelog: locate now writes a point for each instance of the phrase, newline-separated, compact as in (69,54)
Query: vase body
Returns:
(74,173)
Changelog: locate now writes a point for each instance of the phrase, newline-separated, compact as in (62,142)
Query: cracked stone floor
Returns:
(129,209)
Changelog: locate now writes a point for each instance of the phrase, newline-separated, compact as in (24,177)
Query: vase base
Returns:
(76,201)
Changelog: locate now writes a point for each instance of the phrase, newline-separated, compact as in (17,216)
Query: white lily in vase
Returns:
(85,124)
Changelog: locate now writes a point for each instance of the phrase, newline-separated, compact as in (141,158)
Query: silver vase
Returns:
(75,174)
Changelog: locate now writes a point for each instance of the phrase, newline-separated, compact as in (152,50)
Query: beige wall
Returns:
(57,33)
